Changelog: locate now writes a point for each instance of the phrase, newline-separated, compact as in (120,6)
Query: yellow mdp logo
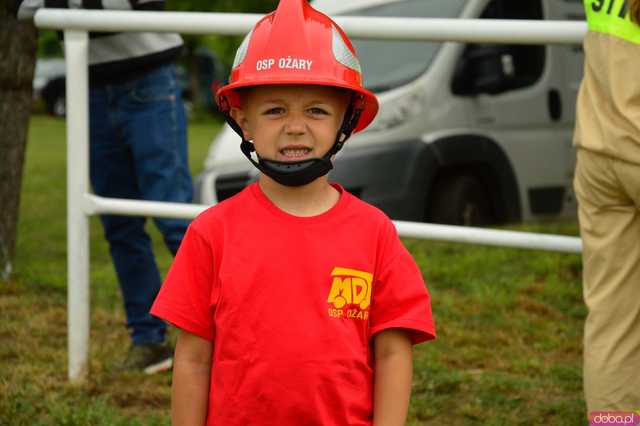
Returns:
(350,287)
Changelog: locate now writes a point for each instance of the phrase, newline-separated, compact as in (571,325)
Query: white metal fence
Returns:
(81,203)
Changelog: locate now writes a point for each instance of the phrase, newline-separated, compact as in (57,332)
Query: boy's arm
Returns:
(392,377)
(191,379)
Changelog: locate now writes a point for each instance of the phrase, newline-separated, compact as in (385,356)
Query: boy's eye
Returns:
(274,111)
(318,111)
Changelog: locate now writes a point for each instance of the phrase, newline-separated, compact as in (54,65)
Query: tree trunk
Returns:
(17,60)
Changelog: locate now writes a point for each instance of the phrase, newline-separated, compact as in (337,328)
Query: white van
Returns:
(466,133)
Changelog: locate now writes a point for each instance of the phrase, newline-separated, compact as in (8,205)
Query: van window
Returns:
(522,65)
(389,64)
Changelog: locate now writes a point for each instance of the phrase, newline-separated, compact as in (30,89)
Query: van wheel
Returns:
(460,200)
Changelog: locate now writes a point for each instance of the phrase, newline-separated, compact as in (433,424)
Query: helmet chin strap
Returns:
(298,173)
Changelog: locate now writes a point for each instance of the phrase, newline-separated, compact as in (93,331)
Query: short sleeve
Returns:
(400,296)
(190,292)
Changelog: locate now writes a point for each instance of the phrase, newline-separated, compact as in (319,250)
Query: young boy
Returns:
(297,302)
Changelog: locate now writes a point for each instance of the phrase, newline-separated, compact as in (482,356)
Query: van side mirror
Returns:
(485,68)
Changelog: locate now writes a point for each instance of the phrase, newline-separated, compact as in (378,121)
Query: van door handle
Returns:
(554,102)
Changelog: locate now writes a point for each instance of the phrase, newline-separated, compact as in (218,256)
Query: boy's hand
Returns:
(392,377)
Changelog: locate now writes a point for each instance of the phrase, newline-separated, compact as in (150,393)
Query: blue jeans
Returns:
(138,150)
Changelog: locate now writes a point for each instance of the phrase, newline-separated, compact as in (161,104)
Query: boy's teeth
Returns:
(295,152)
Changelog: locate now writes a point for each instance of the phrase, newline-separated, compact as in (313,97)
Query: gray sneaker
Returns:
(149,359)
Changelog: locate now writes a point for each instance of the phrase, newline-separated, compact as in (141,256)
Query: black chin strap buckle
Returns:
(247,147)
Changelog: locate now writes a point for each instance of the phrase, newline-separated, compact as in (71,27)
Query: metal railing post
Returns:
(76,45)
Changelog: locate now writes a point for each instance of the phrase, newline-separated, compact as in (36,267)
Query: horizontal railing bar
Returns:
(491,237)
(415,29)
(458,234)
(100,205)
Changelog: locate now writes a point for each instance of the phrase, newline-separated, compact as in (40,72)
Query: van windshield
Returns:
(389,64)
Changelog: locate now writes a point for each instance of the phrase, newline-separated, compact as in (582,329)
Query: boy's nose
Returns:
(295,125)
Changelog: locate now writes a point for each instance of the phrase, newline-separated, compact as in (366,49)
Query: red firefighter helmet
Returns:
(296,44)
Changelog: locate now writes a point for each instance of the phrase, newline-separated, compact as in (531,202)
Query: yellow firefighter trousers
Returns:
(608,193)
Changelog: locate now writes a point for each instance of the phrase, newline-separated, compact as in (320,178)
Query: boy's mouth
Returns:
(295,152)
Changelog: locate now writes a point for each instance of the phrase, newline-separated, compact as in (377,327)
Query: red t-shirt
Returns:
(291,304)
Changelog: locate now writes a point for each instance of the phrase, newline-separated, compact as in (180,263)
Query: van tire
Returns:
(460,200)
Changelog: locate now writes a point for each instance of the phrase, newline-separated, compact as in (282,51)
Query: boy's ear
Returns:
(240,117)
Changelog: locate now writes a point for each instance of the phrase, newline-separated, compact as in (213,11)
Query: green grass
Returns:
(509,322)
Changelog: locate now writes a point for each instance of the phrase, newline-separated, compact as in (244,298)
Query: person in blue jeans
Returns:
(138,150)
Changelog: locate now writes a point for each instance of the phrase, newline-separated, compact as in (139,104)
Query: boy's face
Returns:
(291,122)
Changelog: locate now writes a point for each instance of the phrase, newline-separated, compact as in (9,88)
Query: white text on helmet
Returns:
(284,63)
(264,64)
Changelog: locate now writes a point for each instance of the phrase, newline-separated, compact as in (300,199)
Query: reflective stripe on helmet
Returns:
(342,53)
(242,50)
